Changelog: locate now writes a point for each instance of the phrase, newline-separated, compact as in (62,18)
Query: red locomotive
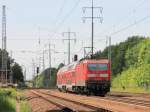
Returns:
(87,76)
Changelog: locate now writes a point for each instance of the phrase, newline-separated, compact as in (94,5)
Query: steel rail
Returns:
(129,100)
(96,109)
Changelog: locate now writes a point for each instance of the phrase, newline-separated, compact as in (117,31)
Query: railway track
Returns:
(126,98)
(39,104)
(125,94)
(69,105)
(114,104)
(129,100)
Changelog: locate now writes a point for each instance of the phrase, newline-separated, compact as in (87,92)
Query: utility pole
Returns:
(43,60)
(33,67)
(4,27)
(50,57)
(108,40)
(39,45)
(92,18)
(24,72)
(109,52)
(69,33)
(4,45)
(33,70)
(11,74)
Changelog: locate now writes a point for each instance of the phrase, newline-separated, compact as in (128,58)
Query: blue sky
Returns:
(27,20)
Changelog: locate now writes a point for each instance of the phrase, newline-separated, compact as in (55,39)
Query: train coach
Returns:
(87,76)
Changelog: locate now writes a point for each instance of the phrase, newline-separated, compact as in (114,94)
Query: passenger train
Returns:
(86,77)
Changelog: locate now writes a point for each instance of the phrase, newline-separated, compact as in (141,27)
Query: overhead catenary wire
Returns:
(65,18)
(60,11)
(130,25)
(35,39)
(59,25)
(139,4)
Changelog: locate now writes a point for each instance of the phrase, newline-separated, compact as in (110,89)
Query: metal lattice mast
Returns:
(69,41)
(4,43)
(92,18)
(4,27)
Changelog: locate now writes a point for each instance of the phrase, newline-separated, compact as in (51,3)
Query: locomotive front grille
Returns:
(93,83)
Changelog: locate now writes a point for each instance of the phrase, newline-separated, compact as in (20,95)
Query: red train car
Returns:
(87,76)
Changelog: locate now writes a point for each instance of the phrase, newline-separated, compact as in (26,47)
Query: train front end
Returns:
(98,76)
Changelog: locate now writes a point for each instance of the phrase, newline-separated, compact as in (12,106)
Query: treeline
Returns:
(46,79)
(119,62)
(130,63)
(15,70)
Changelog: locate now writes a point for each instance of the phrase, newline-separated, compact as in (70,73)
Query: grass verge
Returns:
(25,107)
(7,100)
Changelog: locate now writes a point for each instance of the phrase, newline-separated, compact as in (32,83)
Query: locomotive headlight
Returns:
(103,75)
(91,75)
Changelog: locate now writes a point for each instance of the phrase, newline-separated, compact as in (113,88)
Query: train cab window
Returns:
(102,67)
(92,66)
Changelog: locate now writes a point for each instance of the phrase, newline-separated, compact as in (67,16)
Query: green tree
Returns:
(45,80)
(119,54)
(9,59)
(60,66)
(137,67)
(17,73)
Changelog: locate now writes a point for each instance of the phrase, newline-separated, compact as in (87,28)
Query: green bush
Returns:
(24,107)
(7,100)
(137,71)
(119,56)
(45,80)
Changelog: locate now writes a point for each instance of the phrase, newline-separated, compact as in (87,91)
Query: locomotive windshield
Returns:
(92,66)
(102,67)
